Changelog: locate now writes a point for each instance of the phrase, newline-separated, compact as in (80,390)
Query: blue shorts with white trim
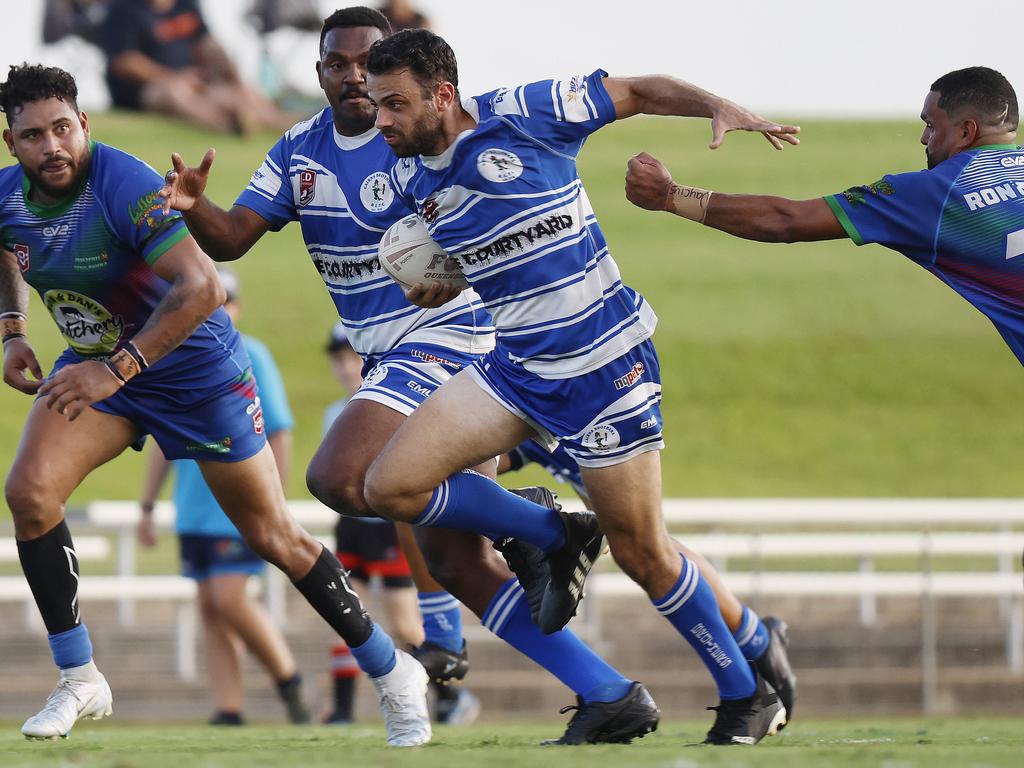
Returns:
(404,377)
(604,417)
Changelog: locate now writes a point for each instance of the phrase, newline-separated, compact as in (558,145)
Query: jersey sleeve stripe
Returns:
(844,219)
(166,244)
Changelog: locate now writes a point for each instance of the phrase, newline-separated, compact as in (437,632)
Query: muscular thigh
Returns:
(249,491)
(354,440)
(627,497)
(58,454)
(457,427)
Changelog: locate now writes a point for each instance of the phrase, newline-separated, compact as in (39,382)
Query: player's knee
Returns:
(643,558)
(385,497)
(338,490)
(32,505)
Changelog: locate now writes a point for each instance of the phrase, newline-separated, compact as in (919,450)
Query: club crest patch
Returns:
(307,186)
(375,193)
(499,165)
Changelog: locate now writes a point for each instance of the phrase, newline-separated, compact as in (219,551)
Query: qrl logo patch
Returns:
(22,252)
(307,186)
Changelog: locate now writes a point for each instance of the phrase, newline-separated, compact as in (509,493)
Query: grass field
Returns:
(806,370)
(964,743)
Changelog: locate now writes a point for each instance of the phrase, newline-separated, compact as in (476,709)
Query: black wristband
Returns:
(10,336)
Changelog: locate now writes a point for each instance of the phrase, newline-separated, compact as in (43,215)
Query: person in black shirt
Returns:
(162,58)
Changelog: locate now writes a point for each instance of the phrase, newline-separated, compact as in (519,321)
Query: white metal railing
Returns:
(986,530)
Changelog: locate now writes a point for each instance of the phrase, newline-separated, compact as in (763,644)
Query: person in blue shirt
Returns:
(150,352)
(214,553)
(962,219)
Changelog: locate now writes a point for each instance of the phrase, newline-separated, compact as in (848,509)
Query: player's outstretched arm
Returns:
(664,95)
(223,235)
(195,293)
(753,217)
(19,358)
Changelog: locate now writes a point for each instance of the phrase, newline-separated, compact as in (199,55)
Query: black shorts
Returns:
(369,547)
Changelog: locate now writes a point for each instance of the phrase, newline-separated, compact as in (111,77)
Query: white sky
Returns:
(788,57)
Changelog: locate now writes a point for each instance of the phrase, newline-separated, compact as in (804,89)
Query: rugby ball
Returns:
(410,255)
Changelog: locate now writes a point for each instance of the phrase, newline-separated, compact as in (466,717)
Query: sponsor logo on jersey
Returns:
(89,327)
(603,437)
(575,85)
(307,186)
(376,193)
(86,262)
(514,242)
(334,268)
(56,230)
(999,193)
(499,165)
(428,211)
(429,358)
(144,210)
(648,423)
(630,378)
(856,196)
(1012,162)
(376,375)
(22,252)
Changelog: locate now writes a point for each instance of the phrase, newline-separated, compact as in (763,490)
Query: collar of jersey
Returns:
(998,146)
(442,161)
(60,207)
(354,142)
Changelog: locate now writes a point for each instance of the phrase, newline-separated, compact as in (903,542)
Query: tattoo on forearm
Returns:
(13,289)
(169,312)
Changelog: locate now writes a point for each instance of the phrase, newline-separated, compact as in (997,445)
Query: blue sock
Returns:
(72,648)
(562,654)
(691,608)
(468,501)
(752,637)
(376,656)
(442,620)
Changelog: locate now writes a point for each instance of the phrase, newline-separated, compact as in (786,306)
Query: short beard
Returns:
(932,162)
(81,168)
(424,137)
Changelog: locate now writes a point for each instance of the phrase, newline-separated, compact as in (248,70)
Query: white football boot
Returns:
(81,692)
(402,694)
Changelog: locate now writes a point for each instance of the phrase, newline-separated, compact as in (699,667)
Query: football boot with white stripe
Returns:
(747,721)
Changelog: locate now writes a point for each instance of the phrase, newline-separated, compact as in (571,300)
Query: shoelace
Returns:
(53,701)
(576,723)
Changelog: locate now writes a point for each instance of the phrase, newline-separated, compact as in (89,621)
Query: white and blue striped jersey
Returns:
(337,187)
(506,201)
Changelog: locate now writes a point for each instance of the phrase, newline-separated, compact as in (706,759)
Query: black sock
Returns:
(220,717)
(326,587)
(51,569)
(290,688)
(344,695)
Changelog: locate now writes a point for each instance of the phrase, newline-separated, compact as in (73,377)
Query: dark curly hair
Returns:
(356,16)
(33,82)
(981,89)
(430,59)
